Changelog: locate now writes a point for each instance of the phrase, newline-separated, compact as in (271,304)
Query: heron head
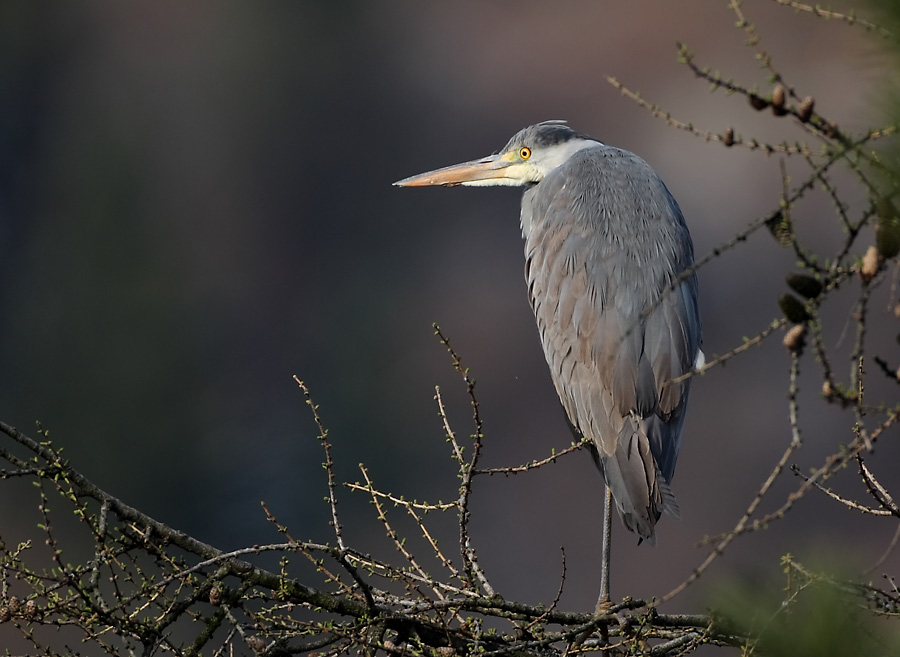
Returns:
(526,159)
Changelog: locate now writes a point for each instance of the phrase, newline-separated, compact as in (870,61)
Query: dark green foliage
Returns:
(816,614)
(793,308)
(887,236)
(804,285)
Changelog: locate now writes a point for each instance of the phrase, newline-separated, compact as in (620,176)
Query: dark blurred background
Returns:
(196,204)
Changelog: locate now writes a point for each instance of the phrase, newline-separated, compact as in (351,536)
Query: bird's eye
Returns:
(524,152)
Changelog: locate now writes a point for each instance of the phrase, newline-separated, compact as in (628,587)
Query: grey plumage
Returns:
(604,243)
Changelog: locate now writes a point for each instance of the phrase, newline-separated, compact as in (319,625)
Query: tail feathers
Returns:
(669,503)
(639,489)
(669,506)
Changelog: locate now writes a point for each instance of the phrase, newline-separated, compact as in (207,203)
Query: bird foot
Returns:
(604,604)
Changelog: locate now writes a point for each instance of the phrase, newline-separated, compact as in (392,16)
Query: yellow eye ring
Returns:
(524,152)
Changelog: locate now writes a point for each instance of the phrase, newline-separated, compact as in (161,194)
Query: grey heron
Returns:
(606,251)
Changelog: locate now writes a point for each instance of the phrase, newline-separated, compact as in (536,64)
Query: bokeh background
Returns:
(196,204)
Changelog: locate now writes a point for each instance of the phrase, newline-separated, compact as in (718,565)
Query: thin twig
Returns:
(850,19)
(557,597)
(467,472)
(774,325)
(876,490)
(725,541)
(884,555)
(832,464)
(555,456)
(399,543)
(856,506)
(411,508)
(329,462)
(726,138)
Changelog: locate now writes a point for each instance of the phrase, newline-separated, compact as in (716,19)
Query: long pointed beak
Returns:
(487,168)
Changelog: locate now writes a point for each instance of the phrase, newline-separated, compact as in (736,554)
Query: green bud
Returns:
(781,229)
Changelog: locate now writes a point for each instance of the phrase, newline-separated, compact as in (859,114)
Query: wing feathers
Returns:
(600,258)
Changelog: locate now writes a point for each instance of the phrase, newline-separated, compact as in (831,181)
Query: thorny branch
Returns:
(467,472)
(849,18)
(170,579)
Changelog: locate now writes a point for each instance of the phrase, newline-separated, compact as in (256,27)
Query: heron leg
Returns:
(603,602)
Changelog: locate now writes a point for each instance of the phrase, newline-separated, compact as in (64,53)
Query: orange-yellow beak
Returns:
(491,168)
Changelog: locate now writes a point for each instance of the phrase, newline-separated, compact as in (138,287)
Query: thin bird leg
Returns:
(603,602)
